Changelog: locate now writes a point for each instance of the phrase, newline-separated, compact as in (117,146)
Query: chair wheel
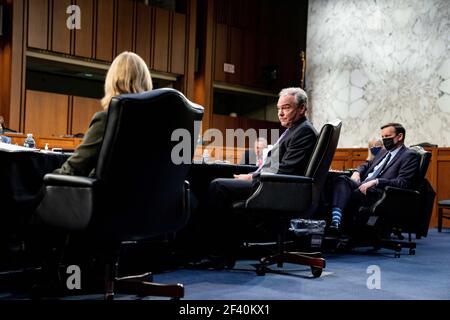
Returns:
(412,252)
(261,271)
(316,272)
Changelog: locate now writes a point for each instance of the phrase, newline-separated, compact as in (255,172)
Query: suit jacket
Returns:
(401,172)
(84,159)
(291,155)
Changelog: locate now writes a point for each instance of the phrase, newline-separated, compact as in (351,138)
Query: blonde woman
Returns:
(128,74)
(375,146)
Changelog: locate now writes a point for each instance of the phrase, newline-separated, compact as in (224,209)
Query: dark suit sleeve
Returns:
(407,173)
(362,169)
(298,152)
(84,159)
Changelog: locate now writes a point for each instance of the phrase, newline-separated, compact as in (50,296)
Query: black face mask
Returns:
(389,143)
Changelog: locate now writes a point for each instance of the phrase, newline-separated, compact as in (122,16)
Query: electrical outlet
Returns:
(228,68)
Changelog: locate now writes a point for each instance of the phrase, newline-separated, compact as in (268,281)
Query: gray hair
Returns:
(301,98)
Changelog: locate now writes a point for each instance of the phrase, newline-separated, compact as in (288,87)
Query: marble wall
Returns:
(370,62)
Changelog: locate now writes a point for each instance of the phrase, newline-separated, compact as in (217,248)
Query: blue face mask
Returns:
(375,150)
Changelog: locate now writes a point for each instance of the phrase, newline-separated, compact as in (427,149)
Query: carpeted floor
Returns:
(423,276)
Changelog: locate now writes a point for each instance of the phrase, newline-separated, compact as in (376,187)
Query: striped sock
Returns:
(336,215)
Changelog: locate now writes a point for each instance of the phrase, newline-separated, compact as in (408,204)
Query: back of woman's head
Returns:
(128,74)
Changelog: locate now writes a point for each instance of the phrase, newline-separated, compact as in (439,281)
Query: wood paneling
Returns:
(46,114)
(220,52)
(124,26)
(17,76)
(105,30)
(38,24)
(250,72)
(161,43)
(84,37)
(83,109)
(236,55)
(222,122)
(144,32)
(60,41)
(53,142)
(178,43)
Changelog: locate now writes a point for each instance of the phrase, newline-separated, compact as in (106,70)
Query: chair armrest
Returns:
(68,203)
(401,192)
(274,177)
(282,193)
(395,202)
(52,179)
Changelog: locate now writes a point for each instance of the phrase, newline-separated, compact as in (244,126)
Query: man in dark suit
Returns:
(395,166)
(289,155)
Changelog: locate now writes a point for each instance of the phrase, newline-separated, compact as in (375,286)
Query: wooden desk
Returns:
(53,142)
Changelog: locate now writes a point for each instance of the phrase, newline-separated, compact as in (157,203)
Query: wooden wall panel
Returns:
(46,114)
(105,30)
(83,109)
(250,71)
(178,43)
(220,52)
(84,37)
(144,32)
(443,184)
(38,24)
(236,43)
(161,40)
(60,41)
(222,122)
(124,26)
(17,71)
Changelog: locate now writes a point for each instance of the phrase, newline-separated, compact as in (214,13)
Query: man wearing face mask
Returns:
(395,166)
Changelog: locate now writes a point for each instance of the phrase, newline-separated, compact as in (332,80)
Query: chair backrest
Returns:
(424,161)
(321,158)
(425,145)
(140,186)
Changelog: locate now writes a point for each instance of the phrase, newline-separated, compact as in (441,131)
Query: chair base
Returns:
(398,245)
(345,245)
(314,260)
(142,285)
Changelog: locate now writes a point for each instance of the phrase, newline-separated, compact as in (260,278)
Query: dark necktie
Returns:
(380,169)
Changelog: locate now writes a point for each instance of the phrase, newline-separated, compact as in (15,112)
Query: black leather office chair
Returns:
(400,211)
(286,197)
(139,192)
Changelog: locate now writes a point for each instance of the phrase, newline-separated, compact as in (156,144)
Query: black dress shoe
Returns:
(335,228)
(214,262)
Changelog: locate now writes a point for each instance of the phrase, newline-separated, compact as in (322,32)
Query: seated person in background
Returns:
(289,155)
(128,74)
(3,129)
(395,166)
(375,146)
(255,156)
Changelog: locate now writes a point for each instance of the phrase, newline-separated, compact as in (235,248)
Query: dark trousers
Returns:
(223,228)
(349,199)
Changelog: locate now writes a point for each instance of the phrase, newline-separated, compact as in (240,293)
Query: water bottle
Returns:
(205,156)
(29,141)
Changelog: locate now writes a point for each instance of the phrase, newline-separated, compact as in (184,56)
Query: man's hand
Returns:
(356,177)
(366,186)
(243,176)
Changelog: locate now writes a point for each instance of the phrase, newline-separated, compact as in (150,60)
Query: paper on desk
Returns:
(14,148)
